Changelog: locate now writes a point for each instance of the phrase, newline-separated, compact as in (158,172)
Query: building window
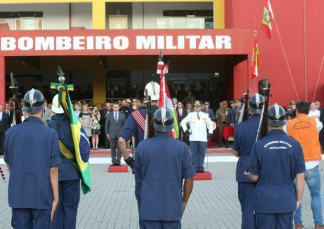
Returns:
(26,20)
(29,24)
(7,24)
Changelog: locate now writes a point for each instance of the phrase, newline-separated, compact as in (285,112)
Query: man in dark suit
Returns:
(135,94)
(106,109)
(112,93)
(175,92)
(182,92)
(114,124)
(9,112)
(123,93)
(4,126)
(83,94)
(181,114)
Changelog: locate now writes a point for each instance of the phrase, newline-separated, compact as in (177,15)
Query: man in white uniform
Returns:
(198,134)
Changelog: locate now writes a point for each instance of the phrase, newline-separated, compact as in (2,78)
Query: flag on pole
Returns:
(80,140)
(165,100)
(255,59)
(267,19)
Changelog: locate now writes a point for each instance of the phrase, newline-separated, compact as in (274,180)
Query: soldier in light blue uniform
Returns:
(276,161)
(244,139)
(135,125)
(32,156)
(162,163)
(69,176)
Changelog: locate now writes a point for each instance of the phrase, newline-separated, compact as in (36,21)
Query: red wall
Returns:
(289,18)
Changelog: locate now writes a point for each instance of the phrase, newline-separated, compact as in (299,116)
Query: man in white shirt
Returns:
(313,112)
(198,134)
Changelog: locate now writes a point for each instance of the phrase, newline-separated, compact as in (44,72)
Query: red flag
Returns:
(165,99)
(255,59)
(267,19)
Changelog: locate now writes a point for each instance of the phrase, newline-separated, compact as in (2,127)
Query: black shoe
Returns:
(118,163)
(200,171)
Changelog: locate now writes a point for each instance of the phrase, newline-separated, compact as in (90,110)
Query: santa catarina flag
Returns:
(255,59)
(166,102)
(267,19)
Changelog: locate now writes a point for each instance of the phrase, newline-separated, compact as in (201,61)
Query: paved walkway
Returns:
(111,204)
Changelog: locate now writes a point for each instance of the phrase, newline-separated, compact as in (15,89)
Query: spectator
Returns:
(205,94)
(85,119)
(174,102)
(4,126)
(123,93)
(134,106)
(209,111)
(129,103)
(305,130)
(95,128)
(113,126)
(103,115)
(76,109)
(174,92)
(47,114)
(231,113)
(135,93)
(47,94)
(189,107)
(318,105)
(22,102)
(9,112)
(181,114)
(313,112)
(124,109)
(112,93)
(189,98)
(194,92)
(24,115)
(90,91)
(83,94)
(182,93)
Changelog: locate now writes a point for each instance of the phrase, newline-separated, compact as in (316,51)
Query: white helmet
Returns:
(56,106)
(153,90)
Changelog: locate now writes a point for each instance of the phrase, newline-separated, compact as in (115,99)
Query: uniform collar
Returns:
(255,116)
(162,134)
(276,132)
(33,119)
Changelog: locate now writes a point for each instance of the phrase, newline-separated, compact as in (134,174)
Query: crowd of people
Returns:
(93,117)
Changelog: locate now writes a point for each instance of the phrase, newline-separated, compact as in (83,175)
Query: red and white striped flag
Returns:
(267,19)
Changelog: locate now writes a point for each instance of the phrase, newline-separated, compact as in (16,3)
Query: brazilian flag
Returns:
(80,140)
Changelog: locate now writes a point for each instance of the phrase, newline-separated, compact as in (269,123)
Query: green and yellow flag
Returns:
(80,140)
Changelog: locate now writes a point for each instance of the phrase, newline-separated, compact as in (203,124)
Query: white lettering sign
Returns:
(151,42)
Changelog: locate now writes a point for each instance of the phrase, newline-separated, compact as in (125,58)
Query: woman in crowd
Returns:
(95,127)
(85,119)
(209,111)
